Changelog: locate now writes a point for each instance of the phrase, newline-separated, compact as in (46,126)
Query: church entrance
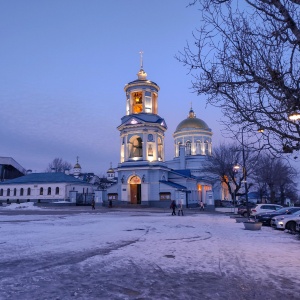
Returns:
(135,190)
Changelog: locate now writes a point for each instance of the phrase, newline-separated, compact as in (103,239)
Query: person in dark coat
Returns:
(173,206)
(93,204)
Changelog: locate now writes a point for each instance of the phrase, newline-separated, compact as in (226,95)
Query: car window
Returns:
(283,210)
(268,207)
(277,207)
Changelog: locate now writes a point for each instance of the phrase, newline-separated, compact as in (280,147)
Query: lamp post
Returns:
(235,169)
(245,177)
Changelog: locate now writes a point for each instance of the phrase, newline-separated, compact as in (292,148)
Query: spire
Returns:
(191,112)
(142,75)
(141,59)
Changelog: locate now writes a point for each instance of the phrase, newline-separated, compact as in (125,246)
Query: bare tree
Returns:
(277,175)
(221,164)
(246,59)
(58,165)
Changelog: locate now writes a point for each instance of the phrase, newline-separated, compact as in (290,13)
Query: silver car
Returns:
(286,221)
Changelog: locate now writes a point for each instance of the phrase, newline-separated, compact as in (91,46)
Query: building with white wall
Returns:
(144,177)
(42,187)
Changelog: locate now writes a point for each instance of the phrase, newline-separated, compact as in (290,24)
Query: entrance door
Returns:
(135,192)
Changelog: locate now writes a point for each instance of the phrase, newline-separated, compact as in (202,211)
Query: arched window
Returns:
(1,192)
(136,147)
(137,102)
(49,191)
(206,147)
(57,190)
(8,192)
(41,191)
(188,148)
(21,192)
(28,192)
(15,192)
(178,149)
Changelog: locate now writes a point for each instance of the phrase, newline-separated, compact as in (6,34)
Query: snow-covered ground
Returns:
(141,254)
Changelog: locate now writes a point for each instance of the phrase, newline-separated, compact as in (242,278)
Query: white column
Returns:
(145,144)
(125,149)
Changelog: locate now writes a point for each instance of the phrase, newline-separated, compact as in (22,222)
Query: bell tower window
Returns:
(137,102)
(136,147)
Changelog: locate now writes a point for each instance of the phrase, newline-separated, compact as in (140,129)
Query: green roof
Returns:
(44,178)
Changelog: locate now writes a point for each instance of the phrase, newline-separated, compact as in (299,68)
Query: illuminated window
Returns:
(198,147)
(137,102)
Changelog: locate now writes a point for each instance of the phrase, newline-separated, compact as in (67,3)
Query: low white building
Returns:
(42,187)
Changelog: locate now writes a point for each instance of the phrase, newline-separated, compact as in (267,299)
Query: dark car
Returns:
(242,209)
(265,218)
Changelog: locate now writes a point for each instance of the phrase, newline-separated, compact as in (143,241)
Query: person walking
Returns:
(173,206)
(180,208)
(93,204)
(201,205)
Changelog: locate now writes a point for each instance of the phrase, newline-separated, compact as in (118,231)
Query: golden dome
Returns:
(192,122)
(110,170)
(77,165)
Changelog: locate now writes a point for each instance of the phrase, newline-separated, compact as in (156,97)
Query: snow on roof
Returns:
(44,178)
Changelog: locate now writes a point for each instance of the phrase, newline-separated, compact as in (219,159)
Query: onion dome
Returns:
(192,122)
(110,170)
(77,165)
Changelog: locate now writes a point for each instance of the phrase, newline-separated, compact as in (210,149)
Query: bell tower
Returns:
(142,129)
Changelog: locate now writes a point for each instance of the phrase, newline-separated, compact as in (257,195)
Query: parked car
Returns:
(259,208)
(265,218)
(242,209)
(286,222)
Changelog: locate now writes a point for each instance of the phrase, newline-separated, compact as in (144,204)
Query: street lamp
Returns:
(294,115)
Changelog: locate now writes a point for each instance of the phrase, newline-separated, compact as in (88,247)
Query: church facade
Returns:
(144,176)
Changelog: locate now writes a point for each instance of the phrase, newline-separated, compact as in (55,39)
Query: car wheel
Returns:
(245,214)
(291,226)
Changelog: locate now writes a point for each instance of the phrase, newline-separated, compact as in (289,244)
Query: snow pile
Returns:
(26,205)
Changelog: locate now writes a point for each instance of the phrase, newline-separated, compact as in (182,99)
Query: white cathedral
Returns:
(144,176)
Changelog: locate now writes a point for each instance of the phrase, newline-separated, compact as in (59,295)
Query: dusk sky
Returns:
(63,68)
